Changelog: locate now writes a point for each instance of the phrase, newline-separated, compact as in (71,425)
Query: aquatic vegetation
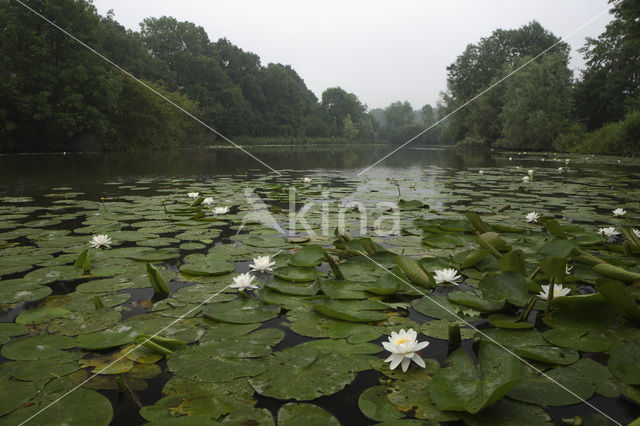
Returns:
(619,212)
(447,275)
(163,306)
(404,348)
(558,291)
(101,240)
(532,217)
(262,264)
(220,210)
(243,282)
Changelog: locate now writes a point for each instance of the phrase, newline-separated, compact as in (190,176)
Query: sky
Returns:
(381,51)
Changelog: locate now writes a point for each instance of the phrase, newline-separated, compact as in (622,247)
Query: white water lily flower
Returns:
(306,180)
(560,169)
(609,232)
(558,291)
(526,179)
(447,275)
(221,210)
(207,201)
(481,172)
(619,212)
(193,194)
(637,232)
(530,172)
(262,264)
(100,240)
(404,347)
(566,161)
(243,282)
(510,158)
(532,217)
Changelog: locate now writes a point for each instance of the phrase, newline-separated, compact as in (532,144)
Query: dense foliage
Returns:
(540,106)
(511,90)
(57,95)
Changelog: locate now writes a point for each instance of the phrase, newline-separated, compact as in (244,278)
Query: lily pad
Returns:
(296,413)
(462,386)
(565,386)
(225,360)
(374,404)
(623,363)
(241,311)
(302,374)
(309,256)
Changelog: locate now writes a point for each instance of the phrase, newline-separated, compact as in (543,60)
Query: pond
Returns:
(119,298)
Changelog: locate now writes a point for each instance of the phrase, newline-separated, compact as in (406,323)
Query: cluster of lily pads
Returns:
(108,295)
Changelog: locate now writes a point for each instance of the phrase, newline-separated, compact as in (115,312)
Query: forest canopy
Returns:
(57,95)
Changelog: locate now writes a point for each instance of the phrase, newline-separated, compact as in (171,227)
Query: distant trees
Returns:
(57,95)
(482,122)
(610,84)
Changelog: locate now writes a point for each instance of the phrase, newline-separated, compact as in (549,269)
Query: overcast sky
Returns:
(381,51)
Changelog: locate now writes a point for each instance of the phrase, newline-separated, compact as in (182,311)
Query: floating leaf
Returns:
(567,386)
(241,311)
(509,286)
(460,385)
(374,404)
(302,374)
(623,363)
(310,255)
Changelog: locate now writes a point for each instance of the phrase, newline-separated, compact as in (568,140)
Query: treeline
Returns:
(57,95)
(541,106)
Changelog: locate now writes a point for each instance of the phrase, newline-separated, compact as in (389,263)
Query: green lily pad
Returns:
(582,311)
(293,288)
(606,384)
(75,323)
(374,404)
(507,412)
(410,392)
(467,298)
(623,363)
(567,387)
(439,307)
(9,330)
(290,273)
(21,392)
(509,286)
(508,321)
(439,329)
(302,374)
(40,315)
(117,335)
(297,413)
(241,311)
(44,346)
(463,386)
(579,339)
(358,311)
(310,255)
(70,410)
(37,370)
(220,361)
(209,268)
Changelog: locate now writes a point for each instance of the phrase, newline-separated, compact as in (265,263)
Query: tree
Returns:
(610,83)
(481,65)
(337,104)
(537,104)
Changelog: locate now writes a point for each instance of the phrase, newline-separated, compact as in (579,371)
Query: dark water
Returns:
(35,174)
